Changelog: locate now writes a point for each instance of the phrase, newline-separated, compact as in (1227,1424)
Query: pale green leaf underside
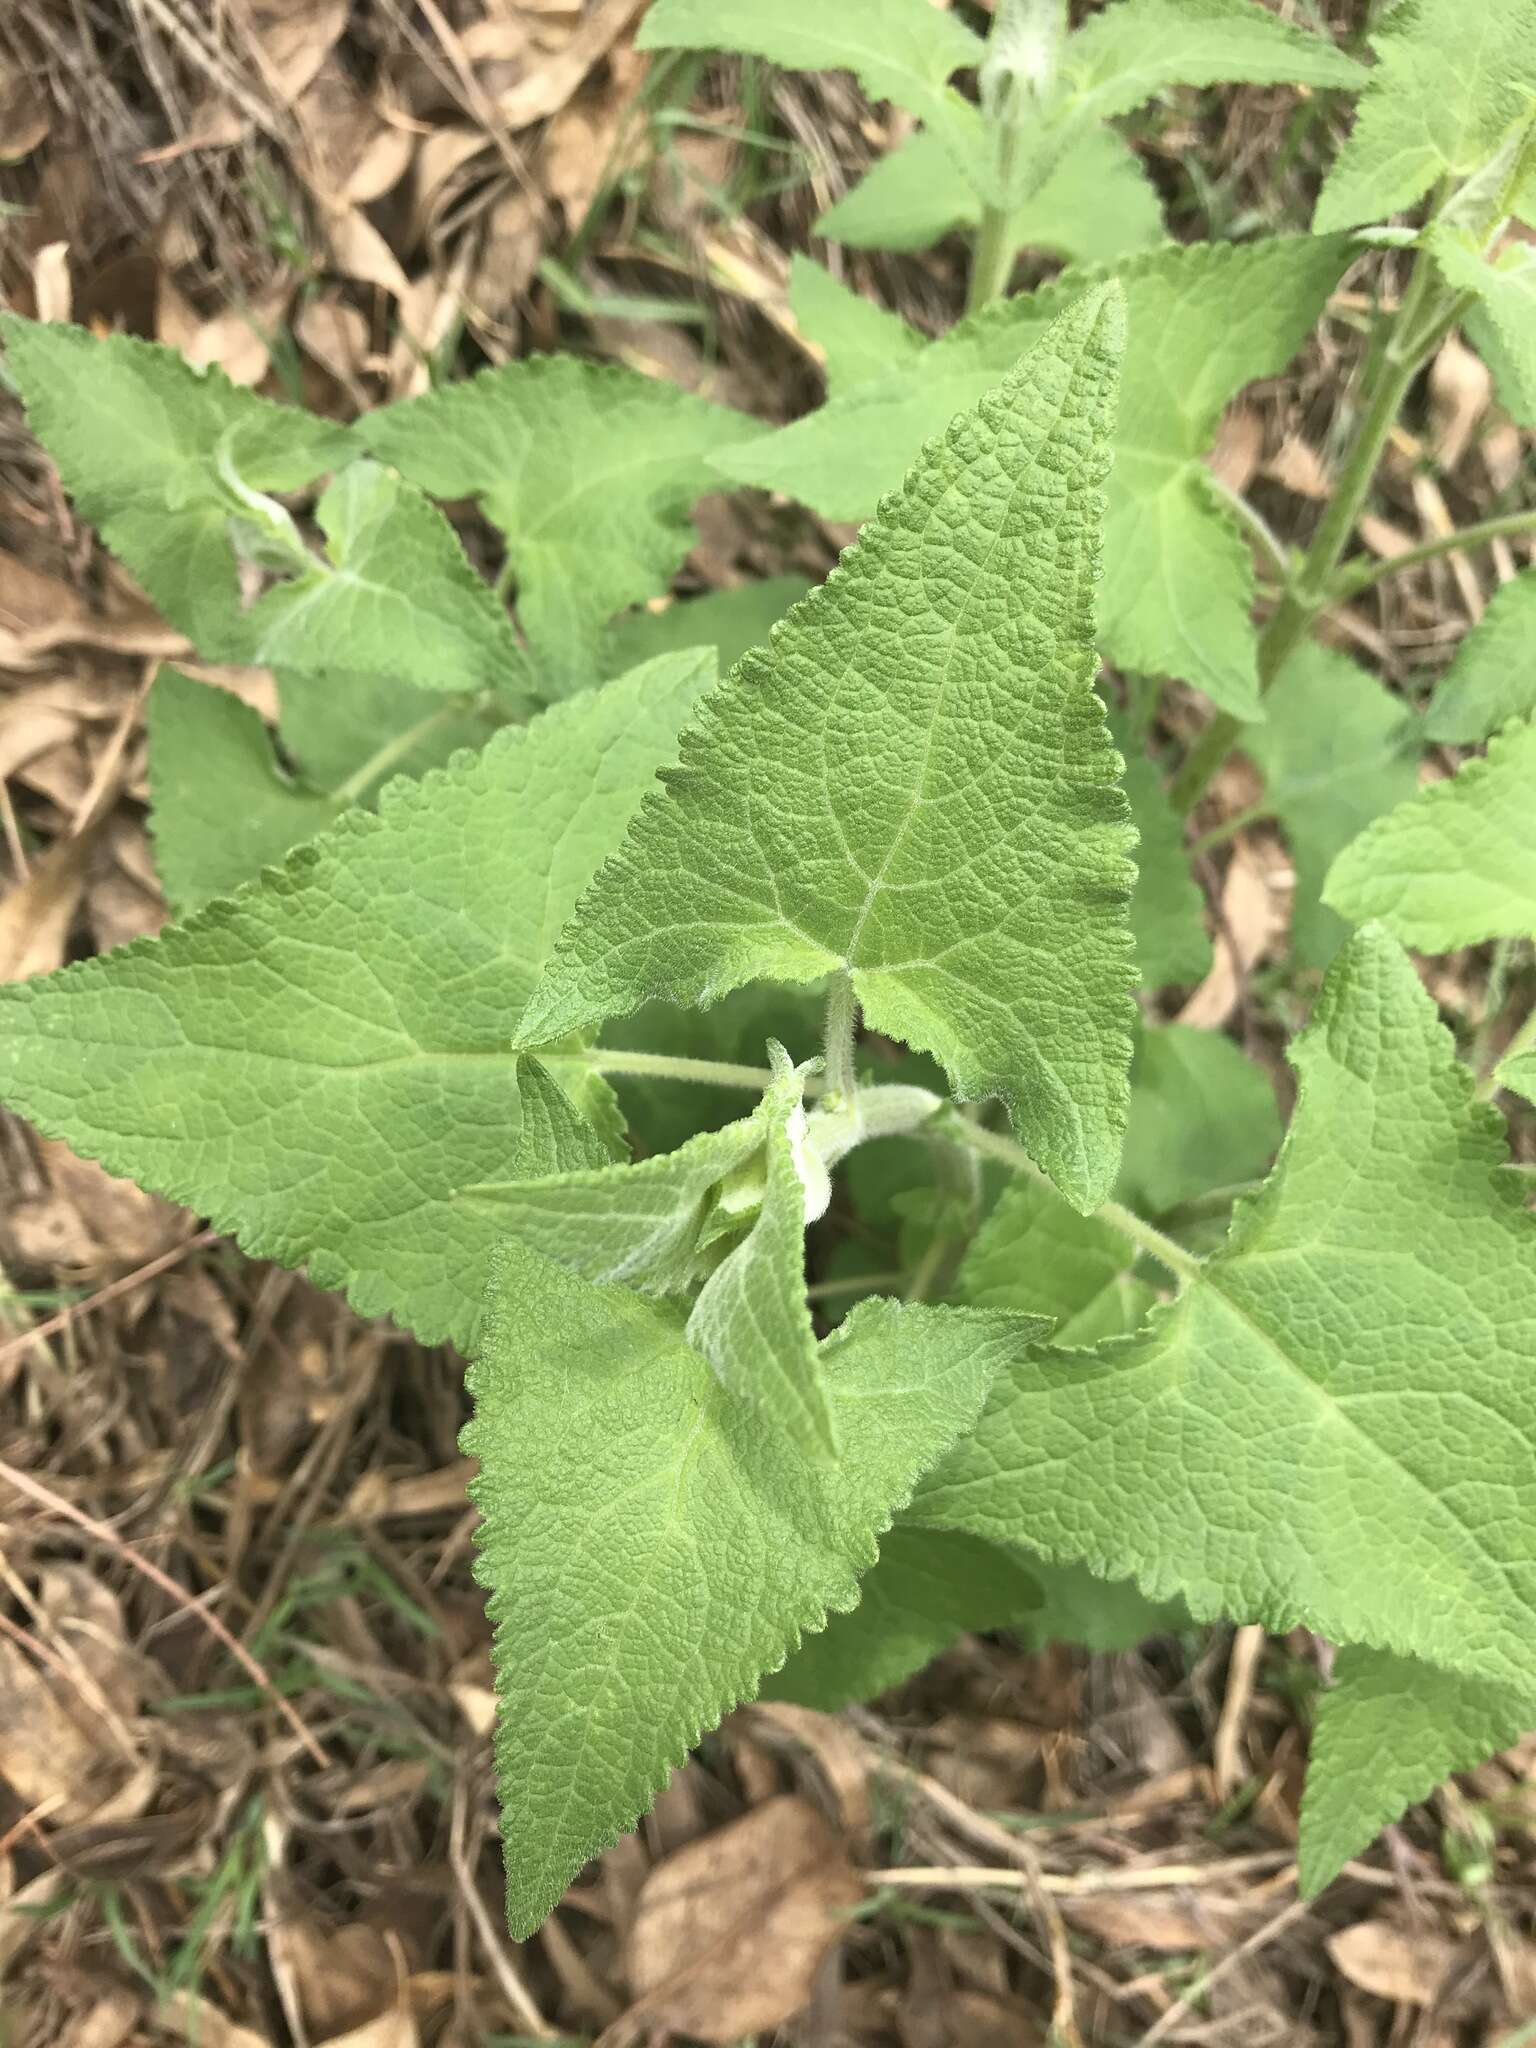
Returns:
(1449,82)
(914,782)
(1336,751)
(1266,1446)
(589,471)
(859,338)
(1036,1256)
(1168,907)
(1128,52)
(1519,1073)
(901,50)
(222,809)
(1456,864)
(1096,205)
(652,1545)
(1388,1731)
(1203,321)
(1506,289)
(1493,677)
(135,433)
(397,597)
(321,1062)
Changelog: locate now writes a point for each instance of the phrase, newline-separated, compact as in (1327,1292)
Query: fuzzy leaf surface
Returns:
(222,808)
(652,1545)
(1168,907)
(1448,85)
(397,597)
(1387,1732)
(1493,677)
(1203,321)
(1336,751)
(1506,290)
(1267,1446)
(1096,205)
(1130,51)
(135,433)
(1036,1256)
(590,471)
(322,1061)
(1203,1116)
(914,783)
(1455,864)
(900,50)
(1519,1073)
(859,338)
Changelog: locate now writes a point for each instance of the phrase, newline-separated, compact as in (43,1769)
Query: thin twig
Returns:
(1260,1938)
(1079,1884)
(14,1346)
(45,1497)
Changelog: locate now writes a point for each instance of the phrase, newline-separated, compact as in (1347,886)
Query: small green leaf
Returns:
(1126,53)
(1103,1615)
(1095,206)
(321,1062)
(1519,1073)
(730,621)
(1168,907)
(1444,93)
(1336,750)
(1506,290)
(1203,321)
(1035,1256)
(928,1588)
(652,1545)
(1493,677)
(397,597)
(333,730)
(1268,1446)
(1203,1116)
(866,793)
(590,472)
(1389,1730)
(1456,864)
(900,50)
(137,434)
(222,809)
(859,338)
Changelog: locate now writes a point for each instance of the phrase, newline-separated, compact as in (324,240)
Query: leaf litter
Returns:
(323,199)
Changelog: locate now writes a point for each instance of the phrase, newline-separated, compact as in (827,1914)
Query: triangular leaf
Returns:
(1268,1446)
(1168,907)
(1126,53)
(652,1545)
(1389,1730)
(901,50)
(138,436)
(868,792)
(1456,864)
(858,337)
(1446,89)
(590,472)
(730,621)
(322,1061)
(1203,321)
(1337,749)
(1493,677)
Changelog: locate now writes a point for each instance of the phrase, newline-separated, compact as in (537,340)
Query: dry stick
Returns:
(1227,1758)
(1152,1877)
(56,1504)
(513,1989)
(14,1346)
(1261,1938)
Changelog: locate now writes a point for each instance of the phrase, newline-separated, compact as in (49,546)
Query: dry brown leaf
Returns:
(1298,466)
(394,2029)
(552,84)
(235,339)
(1460,392)
(729,1933)
(1239,444)
(1408,1969)
(52,292)
(107,2025)
(201,2024)
(36,914)
(1162,1921)
(355,155)
(1252,921)
(286,43)
(357,250)
(33,723)
(22,1914)
(24,115)
(842,1761)
(51,1755)
(88,1220)
(34,606)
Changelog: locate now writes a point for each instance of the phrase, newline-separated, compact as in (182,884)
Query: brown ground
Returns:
(245,1792)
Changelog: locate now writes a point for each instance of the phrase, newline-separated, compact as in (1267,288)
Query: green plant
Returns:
(1102,1371)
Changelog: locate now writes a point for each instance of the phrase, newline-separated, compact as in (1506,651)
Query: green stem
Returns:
(378,765)
(1399,354)
(1145,1236)
(663,1066)
(842,1020)
(1239,821)
(1357,576)
(991,259)
(1258,528)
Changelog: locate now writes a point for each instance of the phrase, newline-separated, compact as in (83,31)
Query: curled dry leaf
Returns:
(1239,444)
(1460,392)
(269,66)
(553,82)
(729,1933)
(235,339)
(1386,1961)
(1253,916)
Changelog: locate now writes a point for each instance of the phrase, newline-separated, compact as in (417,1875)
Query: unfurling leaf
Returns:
(1269,1446)
(653,1545)
(1455,864)
(321,1062)
(914,783)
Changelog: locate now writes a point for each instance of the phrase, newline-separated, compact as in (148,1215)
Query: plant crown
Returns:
(858,930)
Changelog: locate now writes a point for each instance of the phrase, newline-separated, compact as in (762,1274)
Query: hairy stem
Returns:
(1133,1228)
(1357,576)
(842,1020)
(393,751)
(991,259)
(664,1066)
(1425,316)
